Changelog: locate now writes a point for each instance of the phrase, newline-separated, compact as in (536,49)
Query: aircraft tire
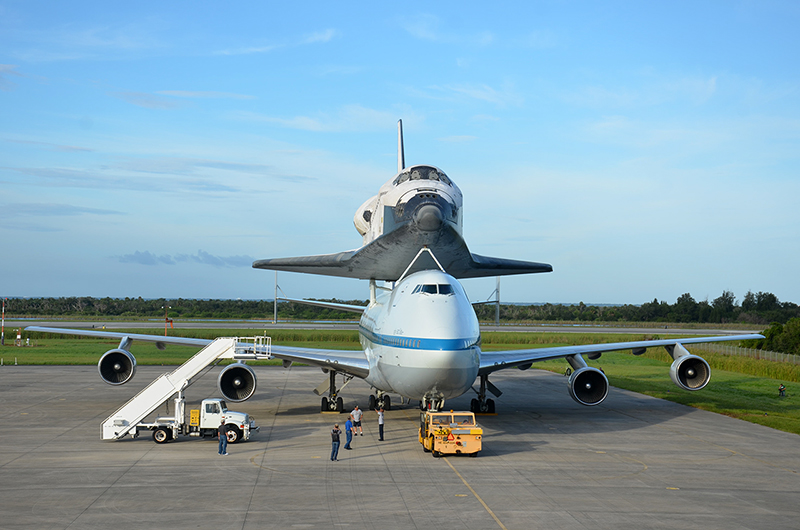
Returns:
(387,403)
(324,405)
(371,402)
(339,405)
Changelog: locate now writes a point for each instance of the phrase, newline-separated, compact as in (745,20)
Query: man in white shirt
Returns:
(355,415)
(380,424)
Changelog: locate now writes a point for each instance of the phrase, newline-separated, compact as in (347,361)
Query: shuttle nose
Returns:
(429,217)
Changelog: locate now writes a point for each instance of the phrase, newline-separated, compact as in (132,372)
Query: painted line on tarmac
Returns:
(486,507)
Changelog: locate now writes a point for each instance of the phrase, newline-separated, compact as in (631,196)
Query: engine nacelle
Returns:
(237,382)
(588,386)
(690,372)
(117,366)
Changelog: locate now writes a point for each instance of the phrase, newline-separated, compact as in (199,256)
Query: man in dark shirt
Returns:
(222,434)
(335,432)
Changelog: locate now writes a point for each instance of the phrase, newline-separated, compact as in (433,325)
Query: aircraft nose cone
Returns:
(429,218)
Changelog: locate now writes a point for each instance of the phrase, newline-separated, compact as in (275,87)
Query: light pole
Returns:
(167,320)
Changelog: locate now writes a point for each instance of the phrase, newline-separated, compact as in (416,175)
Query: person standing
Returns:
(222,434)
(335,433)
(380,424)
(355,415)
(348,431)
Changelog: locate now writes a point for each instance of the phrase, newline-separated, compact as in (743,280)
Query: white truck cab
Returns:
(203,422)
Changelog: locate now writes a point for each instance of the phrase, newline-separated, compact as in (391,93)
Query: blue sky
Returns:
(645,150)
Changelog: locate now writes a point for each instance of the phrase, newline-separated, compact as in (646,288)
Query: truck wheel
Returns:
(234,434)
(161,435)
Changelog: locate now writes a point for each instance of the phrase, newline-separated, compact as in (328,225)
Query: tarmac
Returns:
(634,462)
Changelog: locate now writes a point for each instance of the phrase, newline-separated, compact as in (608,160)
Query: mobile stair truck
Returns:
(129,419)
(445,433)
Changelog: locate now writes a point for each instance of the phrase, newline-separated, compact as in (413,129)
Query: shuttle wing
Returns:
(491,361)
(351,362)
(388,257)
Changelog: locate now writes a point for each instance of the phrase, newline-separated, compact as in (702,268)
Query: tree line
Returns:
(782,318)
(141,308)
(755,308)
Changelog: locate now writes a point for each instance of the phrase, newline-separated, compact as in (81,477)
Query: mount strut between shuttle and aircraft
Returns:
(387,258)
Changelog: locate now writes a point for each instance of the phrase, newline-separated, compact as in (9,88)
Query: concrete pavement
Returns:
(634,462)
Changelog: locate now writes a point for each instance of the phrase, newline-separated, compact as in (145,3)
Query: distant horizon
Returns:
(592,304)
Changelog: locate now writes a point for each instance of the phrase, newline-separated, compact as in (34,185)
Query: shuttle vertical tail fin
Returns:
(401,157)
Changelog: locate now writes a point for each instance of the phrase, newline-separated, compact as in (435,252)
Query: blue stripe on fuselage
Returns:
(418,343)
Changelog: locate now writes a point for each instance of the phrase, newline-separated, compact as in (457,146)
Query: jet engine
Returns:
(588,386)
(117,366)
(690,372)
(237,382)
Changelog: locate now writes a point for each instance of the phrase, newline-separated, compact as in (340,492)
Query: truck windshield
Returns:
(463,419)
(440,420)
(224,406)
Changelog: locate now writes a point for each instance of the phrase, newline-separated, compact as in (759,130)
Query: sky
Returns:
(156,149)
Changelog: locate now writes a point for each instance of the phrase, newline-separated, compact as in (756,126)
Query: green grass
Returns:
(740,387)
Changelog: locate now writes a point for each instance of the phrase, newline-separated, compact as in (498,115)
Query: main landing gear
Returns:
(481,404)
(332,402)
(381,401)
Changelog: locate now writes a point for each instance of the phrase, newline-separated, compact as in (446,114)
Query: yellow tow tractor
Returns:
(447,433)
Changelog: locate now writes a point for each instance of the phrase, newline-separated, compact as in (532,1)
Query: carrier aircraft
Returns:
(419,334)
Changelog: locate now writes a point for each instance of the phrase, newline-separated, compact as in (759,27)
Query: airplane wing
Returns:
(352,362)
(491,361)
(388,257)
(330,305)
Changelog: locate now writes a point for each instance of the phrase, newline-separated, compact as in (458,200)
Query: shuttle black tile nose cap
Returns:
(429,218)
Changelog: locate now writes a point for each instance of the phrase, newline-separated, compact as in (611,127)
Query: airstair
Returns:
(127,417)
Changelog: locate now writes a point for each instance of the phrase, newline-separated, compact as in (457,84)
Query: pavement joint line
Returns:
(486,507)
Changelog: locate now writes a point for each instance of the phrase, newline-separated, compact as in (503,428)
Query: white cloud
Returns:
(201,257)
(320,36)
(347,118)
(195,94)
(5,71)
(148,101)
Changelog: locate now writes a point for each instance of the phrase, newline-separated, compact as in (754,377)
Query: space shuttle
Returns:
(418,208)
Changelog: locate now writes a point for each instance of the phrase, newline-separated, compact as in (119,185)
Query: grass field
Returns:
(740,387)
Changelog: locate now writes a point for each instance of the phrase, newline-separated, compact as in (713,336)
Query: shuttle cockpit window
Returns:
(422,173)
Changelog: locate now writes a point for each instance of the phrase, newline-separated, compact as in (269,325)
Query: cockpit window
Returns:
(422,173)
(442,288)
